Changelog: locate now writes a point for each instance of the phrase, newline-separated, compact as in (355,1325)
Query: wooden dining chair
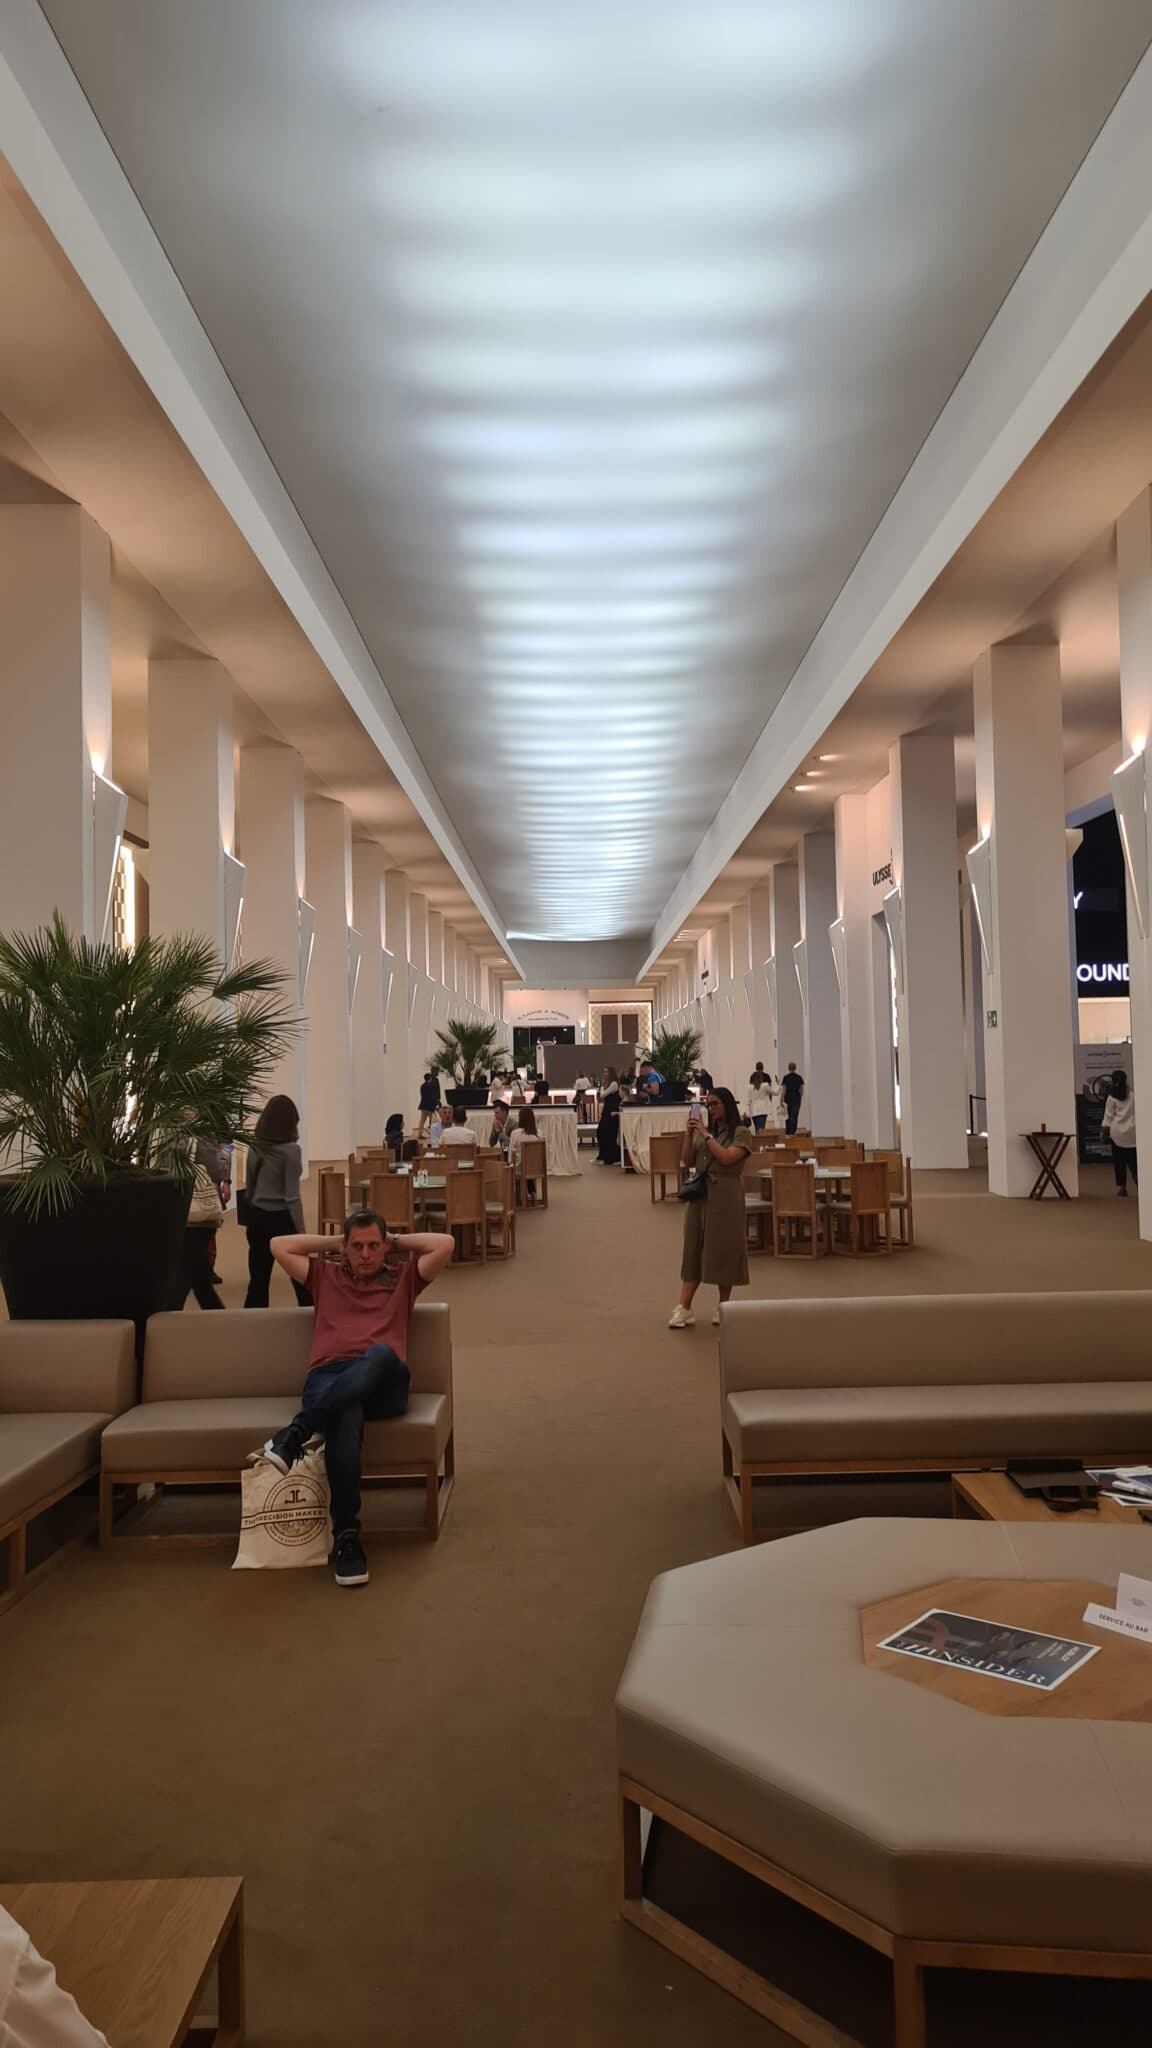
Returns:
(500,1209)
(900,1190)
(464,1212)
(758,1211)
(533,1167)
(856,1222)
(664,1150)
(393,1199)
(331,1200)
(828,1154)
(795,1212)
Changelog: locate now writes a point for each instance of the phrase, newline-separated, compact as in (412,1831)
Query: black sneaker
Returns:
(285,1448)
(349,1564)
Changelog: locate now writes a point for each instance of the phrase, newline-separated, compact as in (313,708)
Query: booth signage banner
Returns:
(1095,1066)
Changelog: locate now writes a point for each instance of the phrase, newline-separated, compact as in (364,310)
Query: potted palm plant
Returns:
(465,1053)
(112,1065)
(676,1055)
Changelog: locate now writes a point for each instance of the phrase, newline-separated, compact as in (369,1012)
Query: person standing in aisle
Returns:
(792,1091)
(715,1228)
(1120,1126)
(759,1096)
(429,1101)
(271,1205)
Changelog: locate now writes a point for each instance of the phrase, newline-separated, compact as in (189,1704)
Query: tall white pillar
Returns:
(743,1056)
(271,845)
(930,1007)
(370,1068)
(823,1106)
(56,690)
(400,1096)
(1134,577)
(759,914)
(435,945)
(785,937)
(1020,803)
(860,1040)
(328,845)
(194,884)
(419,1008)
(450,976)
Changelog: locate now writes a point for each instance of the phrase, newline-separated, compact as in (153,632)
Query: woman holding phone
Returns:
(715,1230)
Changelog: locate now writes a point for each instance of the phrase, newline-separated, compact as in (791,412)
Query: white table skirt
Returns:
(557,1127)
(637,1126)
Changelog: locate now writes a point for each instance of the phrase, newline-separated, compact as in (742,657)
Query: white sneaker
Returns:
(716,1317)
(681,1318)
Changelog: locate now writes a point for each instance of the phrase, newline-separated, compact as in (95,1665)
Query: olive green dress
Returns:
(715,1230)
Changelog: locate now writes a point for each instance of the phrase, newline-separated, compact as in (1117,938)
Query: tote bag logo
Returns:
(295,1512)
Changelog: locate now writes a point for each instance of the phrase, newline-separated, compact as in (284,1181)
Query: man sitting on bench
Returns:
(356,1369)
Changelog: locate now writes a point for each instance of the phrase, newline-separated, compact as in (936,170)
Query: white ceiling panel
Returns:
(592,341)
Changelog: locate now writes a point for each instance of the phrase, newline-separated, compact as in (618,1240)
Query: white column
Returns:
(193,883)
(56,688)
(1134,574)
(370,1066)
(271,845)
(400,1096)
(743,1056)
(859,1045)
(328,845)
(759,913)
(435,945)
(930,1010)
(1020,803)
(785,934)
(418,1014)
(823,1105)
(418,931)
(450,960)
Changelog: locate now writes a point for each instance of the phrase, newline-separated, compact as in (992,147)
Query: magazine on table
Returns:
(994,1649)
(1129,1485)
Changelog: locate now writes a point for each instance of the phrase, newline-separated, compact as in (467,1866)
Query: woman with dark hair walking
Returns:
(270,1199)
(715,1228)
(1120,1126)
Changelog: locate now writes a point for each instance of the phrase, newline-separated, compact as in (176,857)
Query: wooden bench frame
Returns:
(437,1481)
(15,1578)
(909,1957)
(739,1484)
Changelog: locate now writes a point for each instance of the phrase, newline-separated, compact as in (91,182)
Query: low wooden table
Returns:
(991,1497)
(137,1954)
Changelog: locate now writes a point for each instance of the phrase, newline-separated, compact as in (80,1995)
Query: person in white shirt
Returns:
(760,1096)
(459,1131)
(1120,1126)
(35,2010)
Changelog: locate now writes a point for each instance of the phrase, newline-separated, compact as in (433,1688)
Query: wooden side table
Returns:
(137,1954)
(1049,1148)
(991,1497)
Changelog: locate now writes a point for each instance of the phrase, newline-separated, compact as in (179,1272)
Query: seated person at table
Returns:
(540,1091)
(394,1133)
(525,1128)
(435,1132)
(459,1132)
(409,1151)
(501,1126)
(429,1099)
(357,1369)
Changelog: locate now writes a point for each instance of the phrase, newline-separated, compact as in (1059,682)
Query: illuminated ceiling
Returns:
(591,341)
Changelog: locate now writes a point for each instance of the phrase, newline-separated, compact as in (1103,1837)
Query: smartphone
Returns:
(694,1113)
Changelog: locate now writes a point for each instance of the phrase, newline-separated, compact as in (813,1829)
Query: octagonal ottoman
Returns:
(941,1816)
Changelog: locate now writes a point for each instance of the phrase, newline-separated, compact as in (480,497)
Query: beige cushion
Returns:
(746,1702)
(265,1352)
(66,1367)
(39,1454)
(941,1339)
(810,1423)
(217,1435)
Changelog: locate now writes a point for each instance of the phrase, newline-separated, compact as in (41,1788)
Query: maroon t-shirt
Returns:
(352,1314)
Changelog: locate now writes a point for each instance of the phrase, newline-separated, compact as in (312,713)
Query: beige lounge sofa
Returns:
(216,1386)
(922,1384)
(60,1384)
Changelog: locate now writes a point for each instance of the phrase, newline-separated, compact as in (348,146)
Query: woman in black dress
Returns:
(608,1128)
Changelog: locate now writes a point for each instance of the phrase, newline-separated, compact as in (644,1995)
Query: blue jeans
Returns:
(793,1118)
(758,1122)
(336,1402)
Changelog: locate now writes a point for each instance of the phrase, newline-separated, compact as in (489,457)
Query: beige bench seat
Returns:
(194,1436)
(811,1423)
(748,1708)
(215,1387)
(60,1384)
(900,1384)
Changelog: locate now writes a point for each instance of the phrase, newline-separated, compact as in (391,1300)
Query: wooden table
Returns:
(991,1497)
(1048,1147)
(137,1954)
(1115,1685)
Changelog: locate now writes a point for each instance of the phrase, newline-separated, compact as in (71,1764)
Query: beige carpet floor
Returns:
(416,1780)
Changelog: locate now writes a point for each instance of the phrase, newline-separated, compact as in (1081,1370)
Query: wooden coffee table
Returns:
(138,1955)
(991,1497)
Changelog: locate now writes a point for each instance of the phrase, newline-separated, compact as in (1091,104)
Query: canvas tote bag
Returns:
(284,1515)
